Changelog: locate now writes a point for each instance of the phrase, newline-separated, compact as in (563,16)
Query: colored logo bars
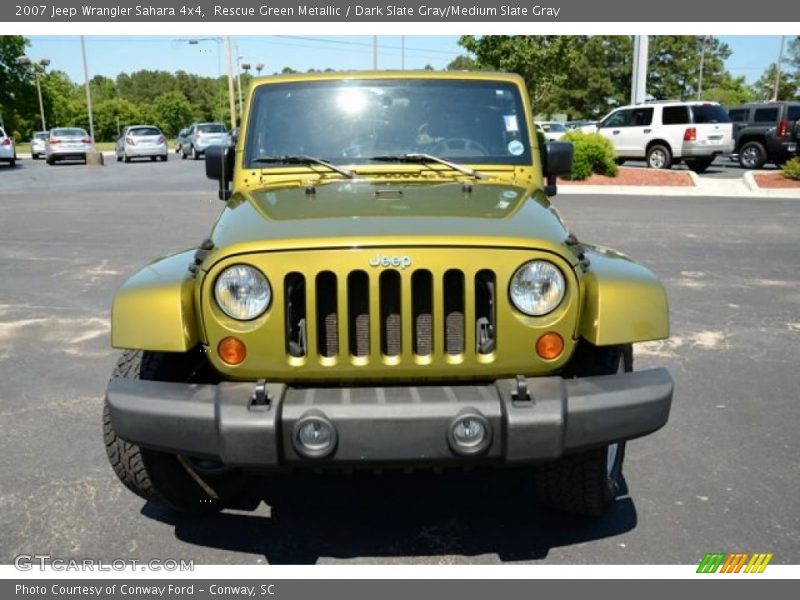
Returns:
(734,563)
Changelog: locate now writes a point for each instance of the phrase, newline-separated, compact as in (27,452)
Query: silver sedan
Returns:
(67,143)
(38,143)
(141,141)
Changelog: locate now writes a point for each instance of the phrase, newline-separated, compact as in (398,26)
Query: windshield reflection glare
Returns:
(347,122)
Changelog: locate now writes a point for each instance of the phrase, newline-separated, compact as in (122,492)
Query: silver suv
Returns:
(664,133)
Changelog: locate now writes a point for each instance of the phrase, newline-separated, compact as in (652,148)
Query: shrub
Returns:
(791,169)
(593,154)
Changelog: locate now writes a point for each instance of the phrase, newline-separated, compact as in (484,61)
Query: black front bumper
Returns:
(394,425)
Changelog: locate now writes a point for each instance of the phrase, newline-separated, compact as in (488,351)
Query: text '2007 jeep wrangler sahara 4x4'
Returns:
(387,285)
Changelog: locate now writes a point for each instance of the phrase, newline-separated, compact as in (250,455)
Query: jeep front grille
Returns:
(381,315)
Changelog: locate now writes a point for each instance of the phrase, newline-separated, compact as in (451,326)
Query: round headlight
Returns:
(537,288)
(242,292)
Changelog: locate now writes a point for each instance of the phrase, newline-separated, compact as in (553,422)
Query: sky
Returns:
(110,55)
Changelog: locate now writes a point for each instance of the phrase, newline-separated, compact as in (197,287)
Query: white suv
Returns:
(664,133)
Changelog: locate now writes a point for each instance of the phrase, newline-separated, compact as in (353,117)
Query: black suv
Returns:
(765,131)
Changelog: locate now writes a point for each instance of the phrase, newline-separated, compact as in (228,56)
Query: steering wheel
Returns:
(459,147)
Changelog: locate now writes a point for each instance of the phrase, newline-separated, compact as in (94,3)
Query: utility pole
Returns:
(778,71)
(374,52)
(88,89)
(639,75)
(93,158)
(402,53)
(702,61)
(231,103)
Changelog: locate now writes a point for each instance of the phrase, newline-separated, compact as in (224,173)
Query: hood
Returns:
(365,213)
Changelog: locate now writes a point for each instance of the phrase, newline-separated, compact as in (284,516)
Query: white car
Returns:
(552,130)
(38,143)
(8,150)
(664,133)
(67,143)
(141,141)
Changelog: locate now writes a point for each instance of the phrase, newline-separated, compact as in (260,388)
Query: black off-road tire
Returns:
(752,155)
(160,477)
(585,483)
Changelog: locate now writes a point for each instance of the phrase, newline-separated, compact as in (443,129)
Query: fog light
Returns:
(314,436)
(470,433)
(232,350)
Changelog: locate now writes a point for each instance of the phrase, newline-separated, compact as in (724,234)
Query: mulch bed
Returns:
(633,176)
(775,180)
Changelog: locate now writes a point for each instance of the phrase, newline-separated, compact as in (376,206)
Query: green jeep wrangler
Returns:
(387,285)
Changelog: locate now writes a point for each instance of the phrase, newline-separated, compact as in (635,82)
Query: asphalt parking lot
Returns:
(723,475)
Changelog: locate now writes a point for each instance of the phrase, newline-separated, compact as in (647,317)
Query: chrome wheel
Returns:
(658,159)
(751,156)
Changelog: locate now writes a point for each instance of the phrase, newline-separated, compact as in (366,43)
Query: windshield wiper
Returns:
(302,159)
(420,157)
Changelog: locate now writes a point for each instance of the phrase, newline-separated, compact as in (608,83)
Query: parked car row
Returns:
(696,132)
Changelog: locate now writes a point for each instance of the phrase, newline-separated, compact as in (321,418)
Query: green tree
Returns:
(145,85)
(110,113)
(674,65)
(543,61)
(730,91)
(764,88)
(599,79)
(173,111)
(63,100)
(102,88)
(17,90)
(462,62)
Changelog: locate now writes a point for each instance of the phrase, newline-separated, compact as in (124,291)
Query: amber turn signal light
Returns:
(550,345)
(232,350)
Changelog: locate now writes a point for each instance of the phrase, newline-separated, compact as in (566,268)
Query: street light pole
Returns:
(702,62)
(231,103)
(639,79)
(259,68)
(778,71)
(374,52)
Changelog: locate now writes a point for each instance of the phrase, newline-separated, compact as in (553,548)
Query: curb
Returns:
(744,188)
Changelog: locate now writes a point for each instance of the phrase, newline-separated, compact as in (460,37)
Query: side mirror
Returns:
(557,161)
(219,166)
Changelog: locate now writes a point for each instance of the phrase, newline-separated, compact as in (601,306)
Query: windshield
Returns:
(348,122)
(554,127)
(41,135)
